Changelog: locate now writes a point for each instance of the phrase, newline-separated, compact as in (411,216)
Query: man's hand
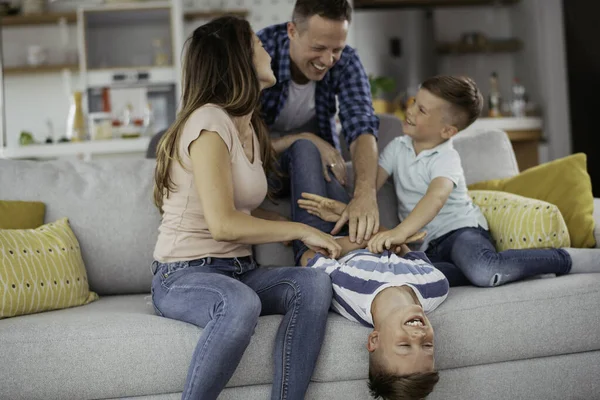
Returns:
(330,158)
(327,209)
(362,214)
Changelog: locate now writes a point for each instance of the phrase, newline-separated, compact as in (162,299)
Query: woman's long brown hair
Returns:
(218,68)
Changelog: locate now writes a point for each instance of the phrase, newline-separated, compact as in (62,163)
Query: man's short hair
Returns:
(462,93)
(337,10)
(388,386)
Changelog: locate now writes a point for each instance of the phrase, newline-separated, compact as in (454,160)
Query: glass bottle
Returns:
(76,128)
(494,98)
(518,103)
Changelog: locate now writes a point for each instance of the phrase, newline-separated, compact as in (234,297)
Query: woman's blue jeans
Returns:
(468,256)
(226,297)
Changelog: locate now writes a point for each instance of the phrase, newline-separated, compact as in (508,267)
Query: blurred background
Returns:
(98,78)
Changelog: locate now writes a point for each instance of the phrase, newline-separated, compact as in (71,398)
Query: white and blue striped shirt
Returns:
(360,275)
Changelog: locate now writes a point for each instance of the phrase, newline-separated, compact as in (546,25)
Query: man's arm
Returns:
(360,126)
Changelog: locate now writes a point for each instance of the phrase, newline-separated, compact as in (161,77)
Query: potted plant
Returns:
(380,86)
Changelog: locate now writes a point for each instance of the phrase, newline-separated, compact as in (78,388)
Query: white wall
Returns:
(542,64)
(495,23)
(372,31)
(32,100)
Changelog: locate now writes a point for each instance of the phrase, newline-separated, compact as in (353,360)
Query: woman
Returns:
(209,180)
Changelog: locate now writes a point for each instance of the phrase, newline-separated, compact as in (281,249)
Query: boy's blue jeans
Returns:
(468,256)
(302,167)
(226,297)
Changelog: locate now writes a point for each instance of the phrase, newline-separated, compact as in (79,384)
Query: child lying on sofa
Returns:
(391,293)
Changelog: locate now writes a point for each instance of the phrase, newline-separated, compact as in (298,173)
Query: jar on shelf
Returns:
(161,53)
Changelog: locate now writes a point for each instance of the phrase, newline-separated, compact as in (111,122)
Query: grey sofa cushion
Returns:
(597,219)
(486,155)
(116,347)
(109,206)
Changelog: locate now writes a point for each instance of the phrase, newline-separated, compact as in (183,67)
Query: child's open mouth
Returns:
(416,321)
(409,122)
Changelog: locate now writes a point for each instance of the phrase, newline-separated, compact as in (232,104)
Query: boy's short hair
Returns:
(388,386)
(462,93)
(336,10)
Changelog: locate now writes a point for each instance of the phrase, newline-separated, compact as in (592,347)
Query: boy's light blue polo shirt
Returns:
(412,175)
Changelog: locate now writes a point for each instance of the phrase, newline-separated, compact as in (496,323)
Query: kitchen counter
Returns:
(85,150)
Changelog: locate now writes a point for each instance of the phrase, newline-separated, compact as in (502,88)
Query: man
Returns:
(317,72)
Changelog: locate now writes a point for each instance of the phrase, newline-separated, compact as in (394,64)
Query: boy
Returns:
(432,194)
(391,294)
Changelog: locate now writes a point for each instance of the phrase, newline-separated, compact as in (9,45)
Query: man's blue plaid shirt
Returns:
(346,79)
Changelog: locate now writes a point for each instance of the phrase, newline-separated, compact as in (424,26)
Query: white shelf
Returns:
(129,76)
(86,149)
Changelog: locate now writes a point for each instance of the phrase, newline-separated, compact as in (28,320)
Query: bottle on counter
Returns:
(494,98)
(518,102)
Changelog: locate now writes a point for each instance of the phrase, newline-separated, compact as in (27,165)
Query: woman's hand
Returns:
(320,242)
(323,207)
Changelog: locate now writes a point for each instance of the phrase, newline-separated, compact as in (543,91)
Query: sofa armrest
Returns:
(597,221)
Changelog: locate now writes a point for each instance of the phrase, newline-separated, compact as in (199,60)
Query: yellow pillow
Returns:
(565,183)
(41,269)
(517,222)
(21,214)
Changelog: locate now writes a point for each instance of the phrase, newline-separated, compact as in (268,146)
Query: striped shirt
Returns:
(360,275)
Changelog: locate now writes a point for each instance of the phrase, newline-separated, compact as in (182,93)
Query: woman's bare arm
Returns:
(212,176)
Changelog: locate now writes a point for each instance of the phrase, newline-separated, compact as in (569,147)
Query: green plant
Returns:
(381,85)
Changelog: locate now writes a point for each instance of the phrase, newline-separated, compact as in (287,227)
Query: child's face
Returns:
(404,342)
(426,118)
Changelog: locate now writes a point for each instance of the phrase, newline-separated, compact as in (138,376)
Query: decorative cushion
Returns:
(21,214)
(41,269)
(565,183)
(517,222)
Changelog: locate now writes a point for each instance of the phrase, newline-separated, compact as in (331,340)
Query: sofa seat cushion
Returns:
(117,347)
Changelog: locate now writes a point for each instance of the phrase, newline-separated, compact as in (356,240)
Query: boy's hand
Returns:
(323,207)
(392,240)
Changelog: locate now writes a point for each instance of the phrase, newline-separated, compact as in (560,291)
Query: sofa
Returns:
(536,339)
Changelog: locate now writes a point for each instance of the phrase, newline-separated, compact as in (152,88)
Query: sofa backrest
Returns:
(109,205)
(110,209)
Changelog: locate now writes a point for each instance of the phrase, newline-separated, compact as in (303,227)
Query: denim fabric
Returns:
(303,172)
(226,297)
(468,256)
